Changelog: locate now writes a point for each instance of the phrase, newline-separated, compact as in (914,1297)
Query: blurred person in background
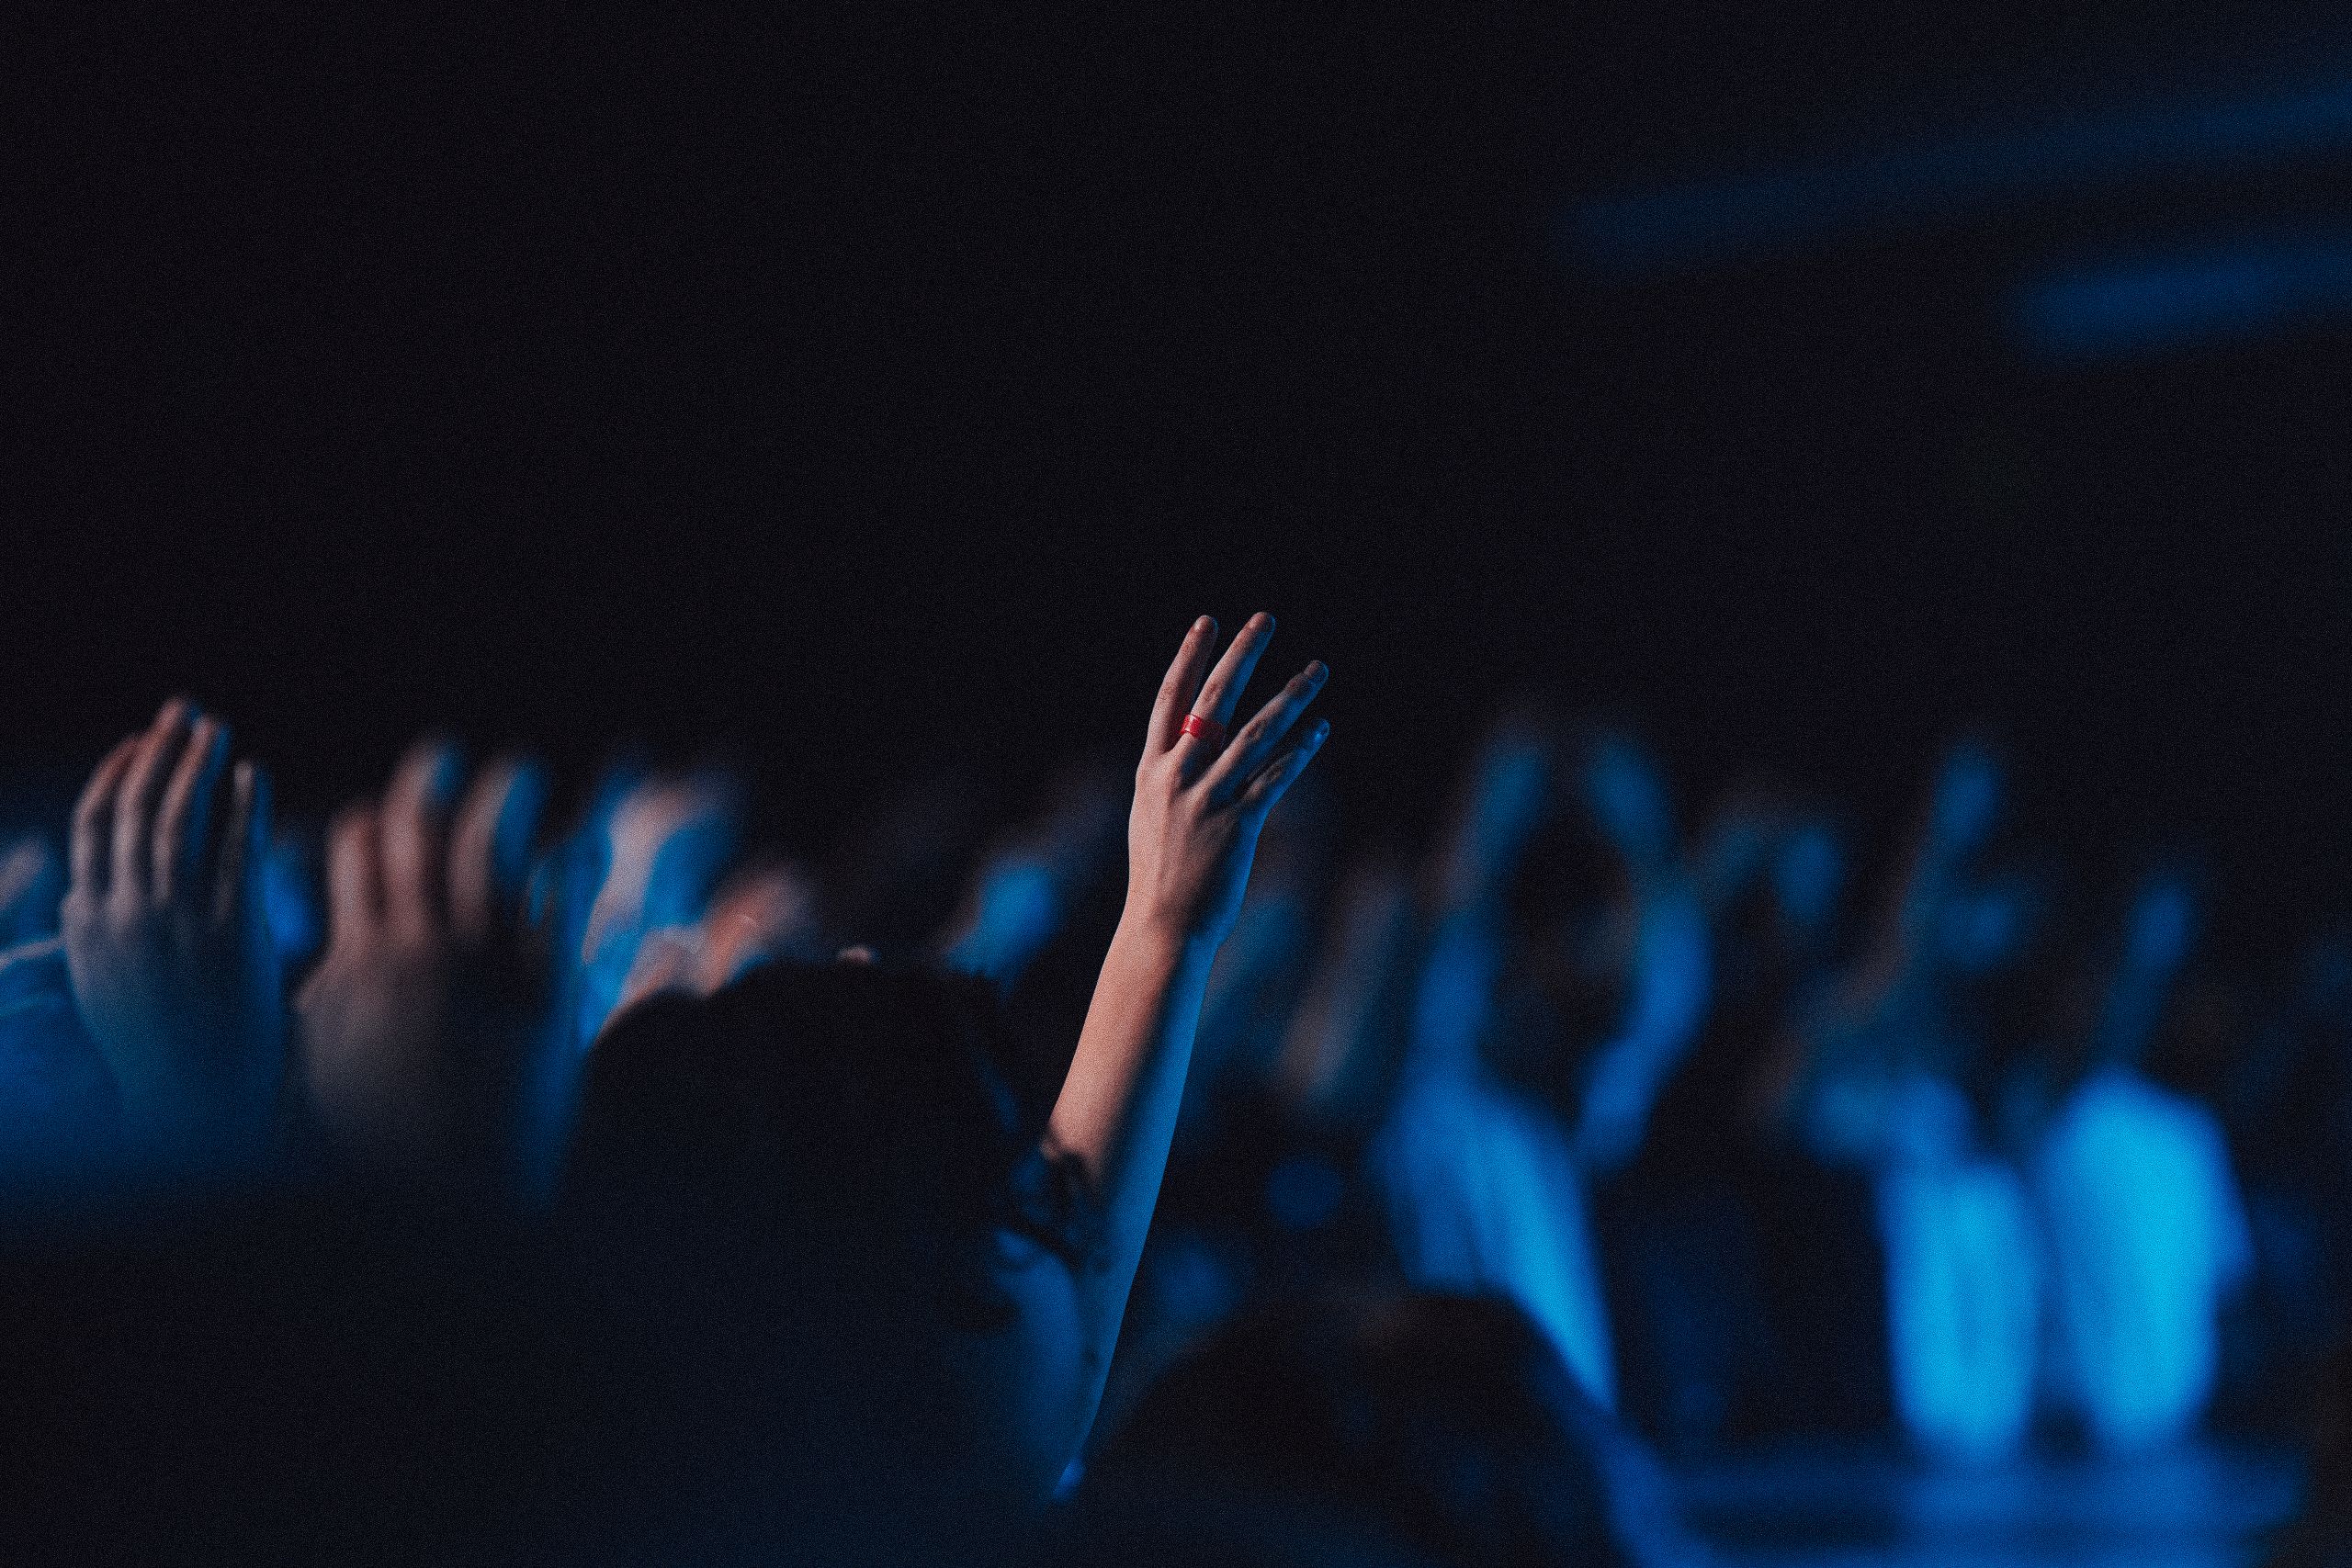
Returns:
(1885,1086)
(1705,1223)
(1442,1425)
(2133,1184)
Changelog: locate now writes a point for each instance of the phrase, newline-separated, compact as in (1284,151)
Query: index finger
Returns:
(355,875)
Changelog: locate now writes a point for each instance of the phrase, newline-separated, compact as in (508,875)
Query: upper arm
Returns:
(1039,1374)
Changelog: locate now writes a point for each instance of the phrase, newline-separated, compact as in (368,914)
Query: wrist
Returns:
(1175,943)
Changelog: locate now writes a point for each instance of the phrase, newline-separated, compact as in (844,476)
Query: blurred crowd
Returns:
(1983,1157)
(1585,1131)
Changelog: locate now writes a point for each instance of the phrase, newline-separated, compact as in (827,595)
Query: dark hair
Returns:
(798,1193)
(836,1127)
(1447,1420)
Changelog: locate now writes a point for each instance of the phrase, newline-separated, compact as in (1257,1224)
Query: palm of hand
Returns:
(172,986)
(414,1045)
(426,1025)
(166,936)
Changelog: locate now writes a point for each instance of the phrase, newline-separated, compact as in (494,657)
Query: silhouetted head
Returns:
(805,1179)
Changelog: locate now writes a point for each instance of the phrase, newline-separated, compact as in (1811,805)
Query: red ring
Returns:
(1208,730)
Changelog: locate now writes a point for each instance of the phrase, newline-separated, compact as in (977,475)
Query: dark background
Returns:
(861,394)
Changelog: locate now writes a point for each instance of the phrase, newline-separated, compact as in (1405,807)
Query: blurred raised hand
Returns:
(766,911)
(1506,798)
(1967,800)
(1027,887)
(1625,791)
(2159,932)
(167,940)
(1669,951)
(665,843)
(431,1036)
(1264,966)
(1506,795)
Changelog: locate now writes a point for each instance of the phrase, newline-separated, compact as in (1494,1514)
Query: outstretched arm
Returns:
(1193,829)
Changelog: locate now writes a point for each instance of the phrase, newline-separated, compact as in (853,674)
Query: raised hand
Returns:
(765,911)
(1200,800)
(430,1036)
(665,843)
(168,939)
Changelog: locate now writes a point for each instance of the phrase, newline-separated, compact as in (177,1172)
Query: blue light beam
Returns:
(1945,179)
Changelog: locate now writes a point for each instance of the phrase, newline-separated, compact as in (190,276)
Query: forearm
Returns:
(1118,1108)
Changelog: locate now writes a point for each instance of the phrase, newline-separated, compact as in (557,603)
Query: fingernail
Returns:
(1318,672)
(174,710)
(1322,729)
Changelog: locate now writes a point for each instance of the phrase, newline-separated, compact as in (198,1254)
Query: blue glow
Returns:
(56,1099)
(2153,305)
(1484,1194)
(1673,976)
(290,901)
(1963,1282)
(2146,1236)
(1939,179)
(1020,910)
